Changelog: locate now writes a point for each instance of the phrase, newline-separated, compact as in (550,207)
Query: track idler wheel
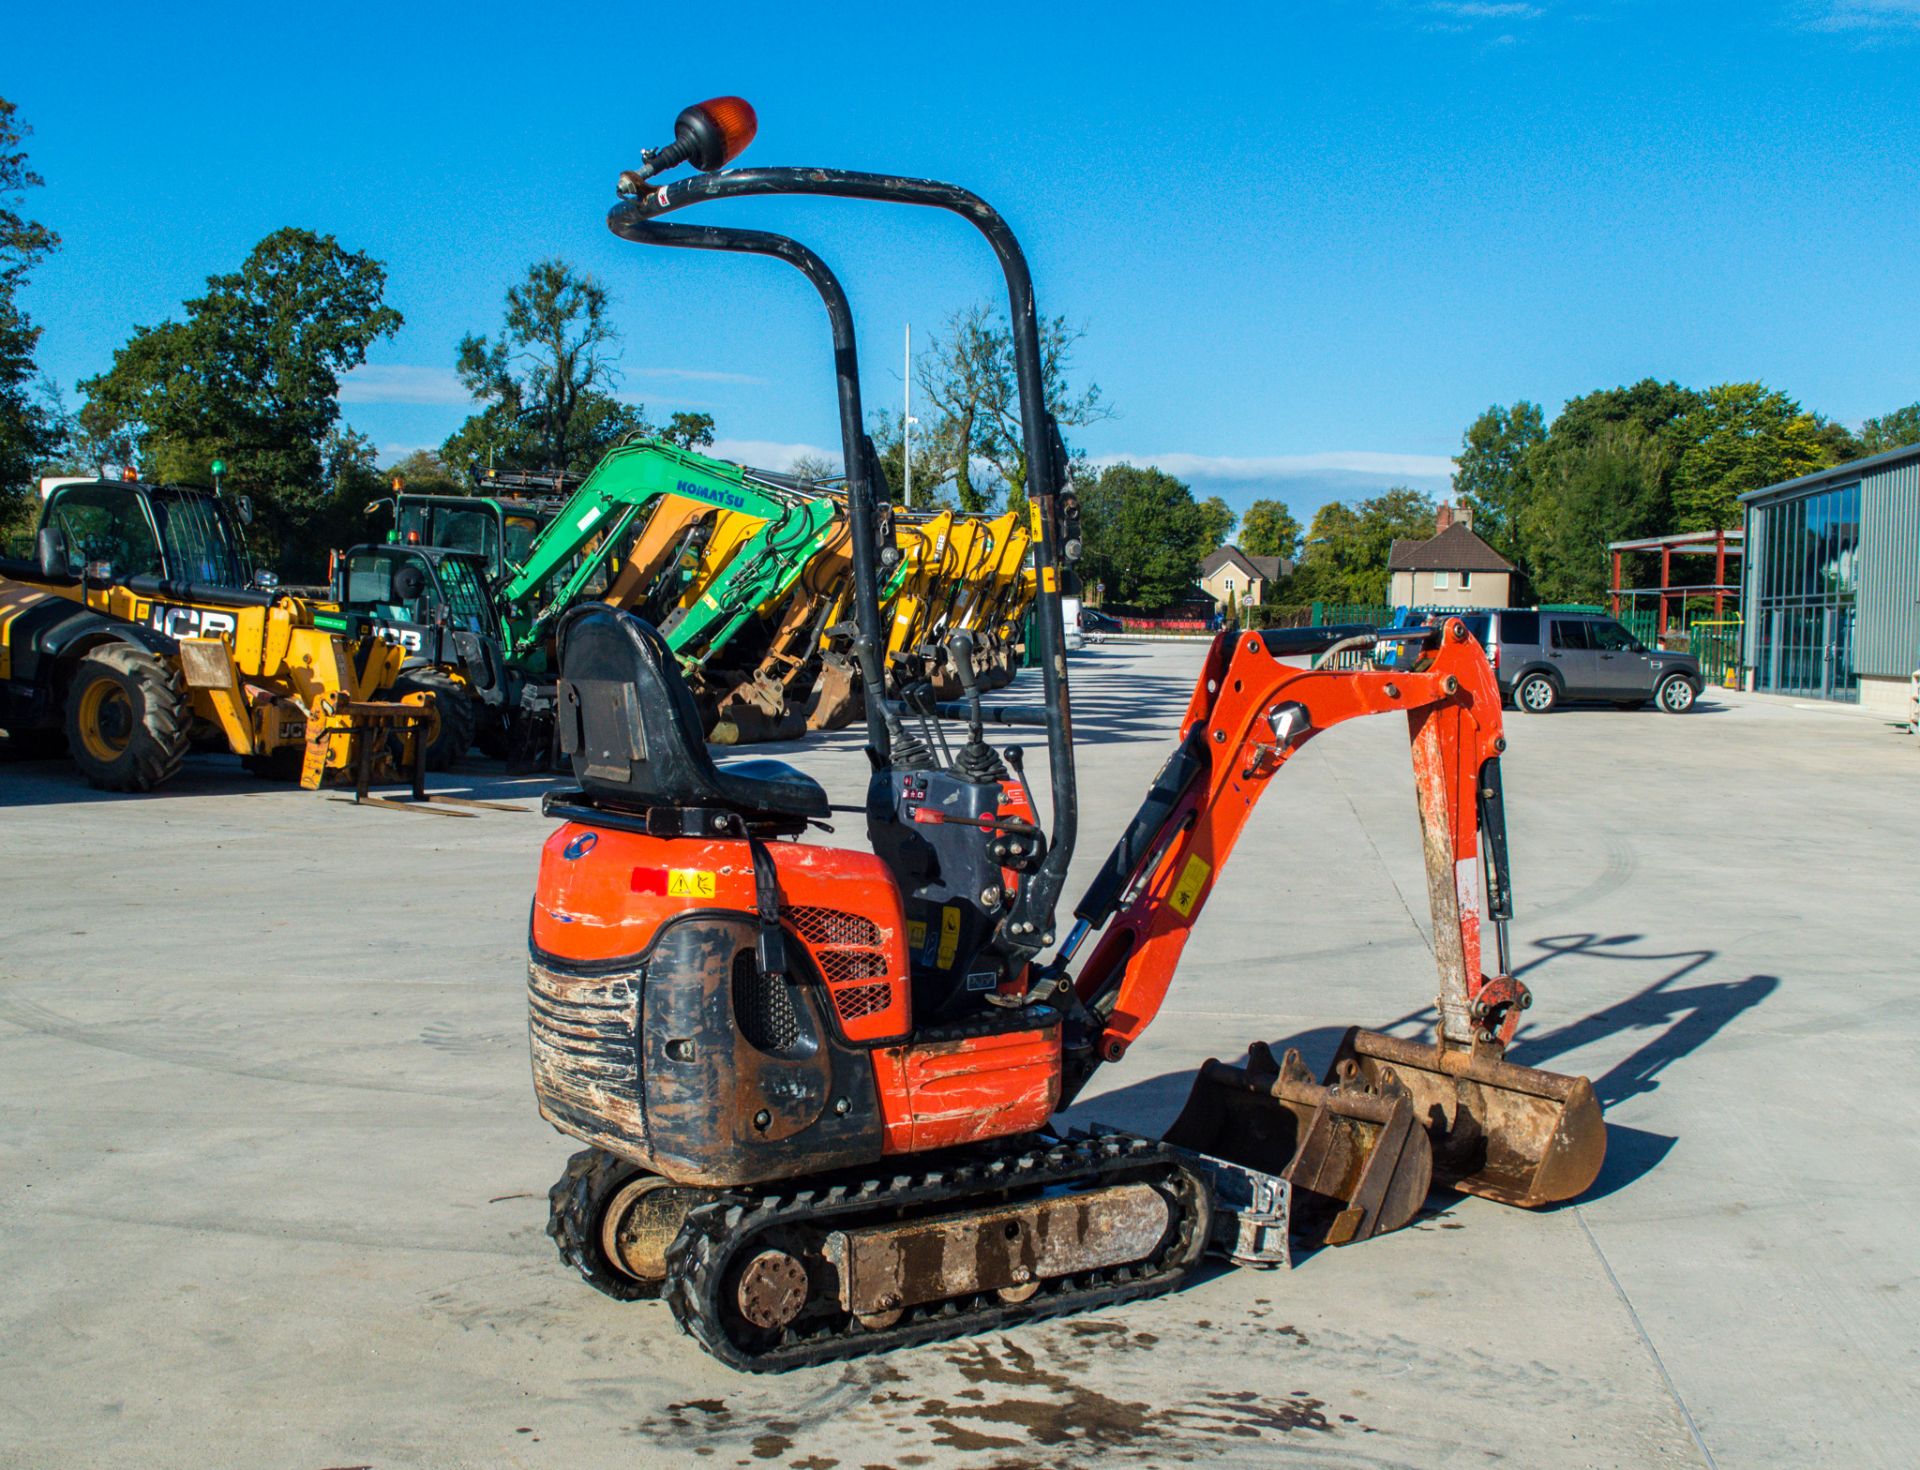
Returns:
(1350,1148)
(1515,1134)
(613,1222)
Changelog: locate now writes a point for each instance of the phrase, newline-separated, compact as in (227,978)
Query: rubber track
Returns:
(575,1204)
(715,1234)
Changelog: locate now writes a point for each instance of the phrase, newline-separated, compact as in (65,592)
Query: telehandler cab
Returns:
(817,1083)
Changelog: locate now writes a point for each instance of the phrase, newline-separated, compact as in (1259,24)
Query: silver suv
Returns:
(1541,659)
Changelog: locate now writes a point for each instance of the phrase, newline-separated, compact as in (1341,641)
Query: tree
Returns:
(1348,545)
(1894,430)
(29,433)
(688,430)
(251,376)
(1144,537)
(1493,475)
(933,475)
(970,379)
(1740,437)
(1607,486)
(1269,529)
(546,380)
(425,473)
(815,469)
(1220,521)
(1604,472)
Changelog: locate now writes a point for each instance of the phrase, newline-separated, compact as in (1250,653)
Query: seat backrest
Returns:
(627,718)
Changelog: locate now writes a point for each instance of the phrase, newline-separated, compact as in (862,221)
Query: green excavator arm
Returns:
(628,483)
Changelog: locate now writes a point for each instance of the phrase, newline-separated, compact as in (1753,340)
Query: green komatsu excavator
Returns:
(603,515)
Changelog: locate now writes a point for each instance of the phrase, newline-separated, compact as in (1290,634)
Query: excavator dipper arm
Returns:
(1251,711)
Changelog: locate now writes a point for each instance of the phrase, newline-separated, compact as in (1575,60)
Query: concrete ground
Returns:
(272,1186)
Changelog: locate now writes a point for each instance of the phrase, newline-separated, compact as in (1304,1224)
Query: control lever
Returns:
(919,699)
(960,650)
(978,761)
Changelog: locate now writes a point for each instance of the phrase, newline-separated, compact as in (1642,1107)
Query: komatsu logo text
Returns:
(712,494)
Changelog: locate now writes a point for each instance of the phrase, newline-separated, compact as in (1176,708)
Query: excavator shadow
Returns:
(1682,1016)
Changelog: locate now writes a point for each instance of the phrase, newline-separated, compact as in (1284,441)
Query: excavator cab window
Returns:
(200,540)
(466,599)
(370,587)
(520,532)
(106,523)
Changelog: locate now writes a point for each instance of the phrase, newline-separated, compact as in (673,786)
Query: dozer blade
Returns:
(1515,1134)
(836,696)
(1350,1149)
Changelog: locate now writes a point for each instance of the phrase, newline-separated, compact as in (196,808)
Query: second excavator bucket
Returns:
(754,710)
(1352,1149)
(1515,1134)
(836,697)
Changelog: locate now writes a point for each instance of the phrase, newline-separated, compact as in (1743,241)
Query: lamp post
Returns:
(906,427)
(219,468)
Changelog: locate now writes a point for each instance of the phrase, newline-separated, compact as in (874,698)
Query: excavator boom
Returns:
(1511,1133)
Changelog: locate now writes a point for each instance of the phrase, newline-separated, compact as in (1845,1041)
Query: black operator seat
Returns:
(628,721)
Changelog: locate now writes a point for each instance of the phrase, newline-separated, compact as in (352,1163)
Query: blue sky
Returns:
(1307,242)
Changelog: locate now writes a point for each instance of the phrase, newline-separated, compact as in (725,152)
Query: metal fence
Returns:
(1717,645)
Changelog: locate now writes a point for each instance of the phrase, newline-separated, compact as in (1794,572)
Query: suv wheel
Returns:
(1536,694)
(1675,696)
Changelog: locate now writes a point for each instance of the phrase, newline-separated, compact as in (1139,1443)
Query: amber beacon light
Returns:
(709,135)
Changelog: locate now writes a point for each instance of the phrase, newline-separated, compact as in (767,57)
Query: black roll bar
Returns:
(629,223)
(1030,922)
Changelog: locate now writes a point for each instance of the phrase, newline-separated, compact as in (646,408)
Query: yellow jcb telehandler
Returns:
(139,630)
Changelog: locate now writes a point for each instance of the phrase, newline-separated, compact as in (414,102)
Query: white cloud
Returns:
(1864,15)
(400,383)
(692,375)
(767,454)
(1289,466)
(1486,9)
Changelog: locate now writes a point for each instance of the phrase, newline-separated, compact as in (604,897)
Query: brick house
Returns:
(1452,568)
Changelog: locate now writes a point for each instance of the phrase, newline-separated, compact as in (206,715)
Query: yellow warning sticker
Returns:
(1193,878)
(916,935)
(949,936)
(1033,519)
(689,883)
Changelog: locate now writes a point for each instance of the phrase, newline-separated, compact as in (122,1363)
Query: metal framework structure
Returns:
(1720,544)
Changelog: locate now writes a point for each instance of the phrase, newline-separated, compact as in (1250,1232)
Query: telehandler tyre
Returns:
(453,729)
(128,720)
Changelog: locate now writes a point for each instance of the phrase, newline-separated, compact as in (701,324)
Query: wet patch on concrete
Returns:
(1014,1401)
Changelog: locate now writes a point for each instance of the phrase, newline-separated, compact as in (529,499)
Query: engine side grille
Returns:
(843,965)
(855,1001)
(763,1005)
(833,926)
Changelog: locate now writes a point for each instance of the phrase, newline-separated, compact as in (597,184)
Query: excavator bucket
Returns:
(752,711)
(836,695)
(1515,1134)
(1352,1150)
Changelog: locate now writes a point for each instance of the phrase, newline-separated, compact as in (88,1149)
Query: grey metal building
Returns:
(1831,591)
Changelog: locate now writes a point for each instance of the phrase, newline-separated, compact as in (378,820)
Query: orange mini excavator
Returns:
(816,1083)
